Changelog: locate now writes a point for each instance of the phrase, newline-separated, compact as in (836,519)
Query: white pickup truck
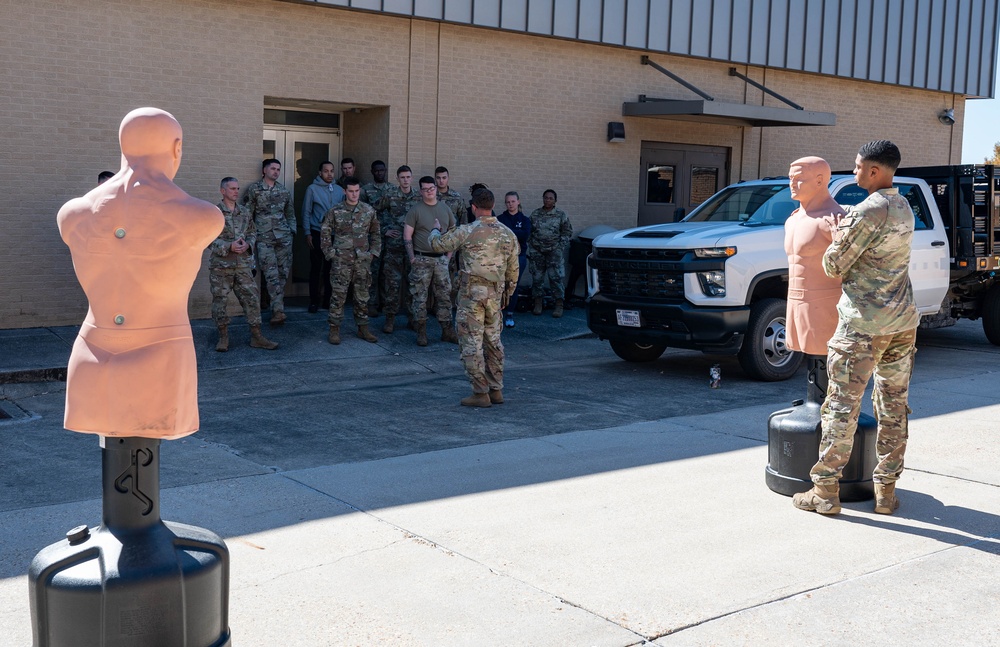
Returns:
(717,281)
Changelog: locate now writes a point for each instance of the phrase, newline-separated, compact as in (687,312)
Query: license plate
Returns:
(628,318)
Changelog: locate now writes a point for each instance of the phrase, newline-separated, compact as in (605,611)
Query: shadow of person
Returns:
(949,524)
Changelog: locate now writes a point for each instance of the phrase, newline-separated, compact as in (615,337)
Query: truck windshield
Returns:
(768,204)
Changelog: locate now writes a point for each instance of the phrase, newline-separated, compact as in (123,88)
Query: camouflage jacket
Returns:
(271,209)
(372,194)
(457,205)
(870,253)
(238,225)
(550,231)
(395,204)
(489,250)
(352,231)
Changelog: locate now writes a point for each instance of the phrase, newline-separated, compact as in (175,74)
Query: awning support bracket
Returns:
(733,72)
(660,68)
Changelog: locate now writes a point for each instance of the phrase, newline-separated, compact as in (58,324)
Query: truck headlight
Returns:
(715,252)
(713,283)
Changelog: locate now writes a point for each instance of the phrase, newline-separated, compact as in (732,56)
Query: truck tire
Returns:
(991,315)
(631,351)
(764,354)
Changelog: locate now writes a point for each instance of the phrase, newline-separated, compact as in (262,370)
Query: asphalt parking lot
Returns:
(604,503)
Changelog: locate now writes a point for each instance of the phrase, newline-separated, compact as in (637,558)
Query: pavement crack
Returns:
(342,558)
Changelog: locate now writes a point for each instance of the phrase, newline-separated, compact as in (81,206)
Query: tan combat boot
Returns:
(824,499)
(885,498)
(278,318)
(496,396)
(448,333)
(366,334)
(390,323)
(537,310)
(421,328)
(258,340)
(223,344)
(334,336)
(477,400)
(558,310)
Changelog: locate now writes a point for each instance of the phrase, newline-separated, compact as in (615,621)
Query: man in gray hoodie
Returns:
(320,197)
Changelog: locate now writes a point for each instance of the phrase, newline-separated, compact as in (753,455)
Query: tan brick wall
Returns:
(515,111)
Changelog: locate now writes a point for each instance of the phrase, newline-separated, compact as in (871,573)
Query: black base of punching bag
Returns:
(793,444)
(135,581)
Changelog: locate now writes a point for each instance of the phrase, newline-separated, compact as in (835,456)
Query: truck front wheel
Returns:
(991,315)
(631,351)
(764,354)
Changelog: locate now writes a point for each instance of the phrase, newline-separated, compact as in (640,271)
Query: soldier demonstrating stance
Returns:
(876,330)
(487,279)
(230,268)
(350,238)
(270,205)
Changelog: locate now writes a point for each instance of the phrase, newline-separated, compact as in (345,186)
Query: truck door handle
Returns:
(937,243)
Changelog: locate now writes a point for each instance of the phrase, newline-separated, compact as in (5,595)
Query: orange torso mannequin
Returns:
(811,318)
(137,242)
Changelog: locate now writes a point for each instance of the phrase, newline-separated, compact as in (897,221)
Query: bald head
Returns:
(150,133)
(809,179)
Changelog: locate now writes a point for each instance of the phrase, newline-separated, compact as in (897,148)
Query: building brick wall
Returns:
(515,111)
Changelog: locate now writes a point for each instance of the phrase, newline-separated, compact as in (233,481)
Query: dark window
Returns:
(659,184)
(853,194)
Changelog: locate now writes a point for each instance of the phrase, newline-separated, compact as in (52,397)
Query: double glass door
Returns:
(300,152)
(676,178)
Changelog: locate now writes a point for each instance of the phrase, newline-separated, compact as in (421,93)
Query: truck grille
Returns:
(646,283)
(610,253)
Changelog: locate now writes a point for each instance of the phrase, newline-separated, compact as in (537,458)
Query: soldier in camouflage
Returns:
(350,238)
(372,194)
(454,201)
(547,247)
(270,206)
(876,330)
(230,268)
(487,279)
(428,269)
(395,203)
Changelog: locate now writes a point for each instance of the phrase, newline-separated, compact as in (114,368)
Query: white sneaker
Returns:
(509,321)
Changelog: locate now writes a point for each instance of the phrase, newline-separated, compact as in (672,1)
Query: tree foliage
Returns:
(995,158)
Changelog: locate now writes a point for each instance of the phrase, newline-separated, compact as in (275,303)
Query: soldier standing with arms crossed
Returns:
(230,269)
(395,203)
(550,234)
(428,269)
(350,238)
(488,278)
(270,205)
(876,331)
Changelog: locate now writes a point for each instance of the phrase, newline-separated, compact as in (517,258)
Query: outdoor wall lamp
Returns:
(947,116)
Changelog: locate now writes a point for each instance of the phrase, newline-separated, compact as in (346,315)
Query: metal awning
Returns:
(729,114)
(708,110)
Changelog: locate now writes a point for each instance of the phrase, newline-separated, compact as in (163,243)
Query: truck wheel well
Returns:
(769,287)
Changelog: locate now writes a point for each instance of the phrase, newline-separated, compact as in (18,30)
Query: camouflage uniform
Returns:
(454,201)
(875,334)
(229,271)
(429,269)
(394,203)
(550,234)
(274,217)
(350,238)
(488,274)
(372,194)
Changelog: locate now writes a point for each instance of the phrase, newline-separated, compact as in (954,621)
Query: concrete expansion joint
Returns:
(952,477)
(342,558)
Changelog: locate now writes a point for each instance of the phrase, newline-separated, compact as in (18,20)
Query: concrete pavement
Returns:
(605,504)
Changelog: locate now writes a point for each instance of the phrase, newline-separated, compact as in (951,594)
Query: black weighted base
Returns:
(135,581)
(793,437)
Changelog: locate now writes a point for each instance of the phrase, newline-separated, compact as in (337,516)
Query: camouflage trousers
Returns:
(430,274)
(852,360)
(346,273)
(376,272)
(274,258)
(222,281)
(547,265)
(479,322)
(393,273)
